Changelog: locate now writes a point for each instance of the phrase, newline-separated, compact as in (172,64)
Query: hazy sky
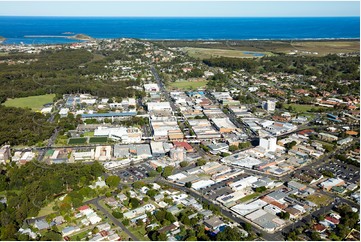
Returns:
(180,8)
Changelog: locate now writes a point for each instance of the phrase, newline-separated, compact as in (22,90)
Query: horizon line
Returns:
(102,16)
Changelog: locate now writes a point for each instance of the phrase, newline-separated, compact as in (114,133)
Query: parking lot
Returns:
(220,188)
(133,173)
(349,173)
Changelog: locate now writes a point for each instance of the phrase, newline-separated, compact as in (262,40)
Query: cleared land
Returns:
(98,140)
(321,47)
(319,199)
(77,141)
(188,85)
(302,107)
(205,53)
(33,102)
(249,197)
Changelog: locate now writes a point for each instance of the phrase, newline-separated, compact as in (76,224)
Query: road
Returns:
(95,202)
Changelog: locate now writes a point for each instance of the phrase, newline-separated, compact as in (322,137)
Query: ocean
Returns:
(15,29)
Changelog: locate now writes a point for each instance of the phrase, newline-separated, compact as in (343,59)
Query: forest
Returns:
(22,126)
(330,67)
(61,72)
(34,185)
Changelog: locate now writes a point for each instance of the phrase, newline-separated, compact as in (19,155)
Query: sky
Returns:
(181,8)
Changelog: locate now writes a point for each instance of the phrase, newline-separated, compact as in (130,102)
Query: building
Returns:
(5,154)
(268,143)
(178,154)
(157,149)
(327,137)
(125,135)
(332,182)
(151,87)
(224,125)
(64,112)
(161,106)
(103,153)
(269,105)
(214,223)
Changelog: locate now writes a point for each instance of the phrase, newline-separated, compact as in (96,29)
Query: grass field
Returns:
(139,232)
(248,197)
(301,108)
(98,139)
(204,53)
(319,199)
(33,102)
(77,141)
(48,209)
(89,134)
(188,85)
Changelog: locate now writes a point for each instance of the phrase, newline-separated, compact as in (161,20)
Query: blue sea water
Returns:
(14,29)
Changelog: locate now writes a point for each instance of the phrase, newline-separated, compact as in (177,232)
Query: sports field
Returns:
(98,140)
(34,102)
(77,141)
(188,85)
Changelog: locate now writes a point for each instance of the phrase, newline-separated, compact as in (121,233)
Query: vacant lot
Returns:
(98,140)
(188,85)
(204,53)
(301,108)
(249,197)
(33,102)
(77,141)
(319,199)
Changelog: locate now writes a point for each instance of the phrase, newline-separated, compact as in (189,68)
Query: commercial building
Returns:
(224,125)
(268,143)
(177,154)
(103,153)
(269,105)
(332,182)
(203,129)
(157,149)
(123,134)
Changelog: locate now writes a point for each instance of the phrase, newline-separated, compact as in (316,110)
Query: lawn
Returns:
(204,53)
(319,199)
(139,232)
(89,134)
(48,209)
(98,139)
(248,197)
(188,85)
(34,102)
(77,141)
(301,108)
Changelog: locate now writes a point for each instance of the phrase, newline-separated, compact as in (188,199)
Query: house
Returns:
(158,197)
(94,218)
(122,197)
(213,223)
(319,228)
(58,220)
(111,201)
(41,224)
(173,210)
(104,226)
(332,220)
(69,230)
(85,210)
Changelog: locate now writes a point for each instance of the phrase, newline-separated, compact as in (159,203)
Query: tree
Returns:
(283,215)
(152,193)
(188,184)
(290,145)
(201,162)
(117,215)
(152,173)
(138,184)
(183,164)
(51,235)
(159,169)
(134,202)
(167,171)
(260,189)
(125,222)
(112,181)
(233,148)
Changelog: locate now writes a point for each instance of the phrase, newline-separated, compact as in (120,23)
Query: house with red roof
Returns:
(184,145)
